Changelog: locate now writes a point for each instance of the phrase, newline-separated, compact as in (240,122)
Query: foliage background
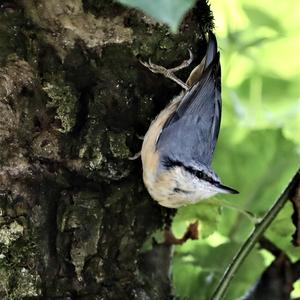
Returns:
(259,146)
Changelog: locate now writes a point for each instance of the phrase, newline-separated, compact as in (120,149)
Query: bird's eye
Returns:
(203,176)
(200,174)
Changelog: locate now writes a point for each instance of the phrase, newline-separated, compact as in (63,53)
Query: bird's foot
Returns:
(135,156)
(169,73)
(140,137)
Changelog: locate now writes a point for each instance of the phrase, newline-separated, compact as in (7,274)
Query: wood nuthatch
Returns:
(178,147)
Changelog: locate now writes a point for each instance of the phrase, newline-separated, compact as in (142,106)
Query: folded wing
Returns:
(190,134)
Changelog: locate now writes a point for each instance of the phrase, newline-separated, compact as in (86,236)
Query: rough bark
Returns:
(74,213)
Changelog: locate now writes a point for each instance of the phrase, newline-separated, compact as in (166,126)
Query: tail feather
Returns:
(211,53)
(211,49)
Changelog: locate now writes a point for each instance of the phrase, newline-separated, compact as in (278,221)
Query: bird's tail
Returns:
(211,53)
(212,49)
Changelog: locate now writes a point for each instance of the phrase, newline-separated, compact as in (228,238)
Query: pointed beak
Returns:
(226,189)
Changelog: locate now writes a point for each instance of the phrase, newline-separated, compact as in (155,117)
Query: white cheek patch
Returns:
(205,190)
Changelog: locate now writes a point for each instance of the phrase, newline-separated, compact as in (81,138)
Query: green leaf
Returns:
(169,12)
(187,279)
(247,275)
(262,18)
(259,166)
(195,273)
(258,148)
(281,231)
(207,213)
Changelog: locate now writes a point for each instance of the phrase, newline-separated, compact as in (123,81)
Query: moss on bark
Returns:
(74,97)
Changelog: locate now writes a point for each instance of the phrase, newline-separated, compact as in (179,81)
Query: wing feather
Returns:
(191,132)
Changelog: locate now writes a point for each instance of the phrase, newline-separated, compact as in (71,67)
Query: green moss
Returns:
(91,149)
(18,276)
(97,149)
(62,97)
(46,145)
(166,43)
(96,162)
(84,217)
(11,41)
(118,147)
(10,233)
(26,285)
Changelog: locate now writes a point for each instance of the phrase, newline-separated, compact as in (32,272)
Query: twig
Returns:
(248,245)
(251,217)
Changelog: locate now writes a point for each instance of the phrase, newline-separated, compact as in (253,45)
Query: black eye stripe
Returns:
(169,163)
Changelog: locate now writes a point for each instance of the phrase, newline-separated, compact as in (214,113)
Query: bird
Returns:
(178,147)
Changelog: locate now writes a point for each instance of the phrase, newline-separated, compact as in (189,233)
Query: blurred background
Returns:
(258,149)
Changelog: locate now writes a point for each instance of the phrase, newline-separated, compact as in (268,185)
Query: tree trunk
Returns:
(74,213)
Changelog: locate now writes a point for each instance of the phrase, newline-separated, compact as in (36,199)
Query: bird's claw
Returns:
(154,68)
(135,156)
(169,73)
(186,63)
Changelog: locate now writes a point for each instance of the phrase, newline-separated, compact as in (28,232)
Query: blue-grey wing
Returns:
(190,134)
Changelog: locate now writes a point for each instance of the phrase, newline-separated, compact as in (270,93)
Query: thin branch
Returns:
(259,229)
(223,203)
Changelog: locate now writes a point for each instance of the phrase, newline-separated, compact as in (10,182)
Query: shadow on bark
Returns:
(74,97)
